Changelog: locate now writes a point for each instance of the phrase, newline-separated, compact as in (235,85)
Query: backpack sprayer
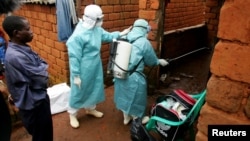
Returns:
(120,51)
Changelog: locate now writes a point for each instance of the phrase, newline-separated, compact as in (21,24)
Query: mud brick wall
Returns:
(183,13)
(228,89)
(212,20)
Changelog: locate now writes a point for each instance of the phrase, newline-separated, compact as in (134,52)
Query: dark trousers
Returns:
(5,120)
(38,121)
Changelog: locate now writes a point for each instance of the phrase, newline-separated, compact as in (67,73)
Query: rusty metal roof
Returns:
(39,1)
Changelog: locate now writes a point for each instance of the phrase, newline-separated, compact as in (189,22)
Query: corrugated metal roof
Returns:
(39,1)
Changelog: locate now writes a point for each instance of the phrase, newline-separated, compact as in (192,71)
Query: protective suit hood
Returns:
(140,29)
(92,16)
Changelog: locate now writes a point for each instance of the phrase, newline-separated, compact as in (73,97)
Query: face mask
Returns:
(148,28)
(99,23)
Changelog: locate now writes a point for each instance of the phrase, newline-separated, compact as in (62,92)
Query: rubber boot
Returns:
(73,121)
(127,119)
(94,113)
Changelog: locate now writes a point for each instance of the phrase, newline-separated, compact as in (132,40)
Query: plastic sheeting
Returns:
(59,97)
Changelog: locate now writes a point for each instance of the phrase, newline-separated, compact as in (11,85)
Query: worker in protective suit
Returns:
(130,94)
(86,72)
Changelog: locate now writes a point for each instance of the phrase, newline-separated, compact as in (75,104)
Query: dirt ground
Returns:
(190,74)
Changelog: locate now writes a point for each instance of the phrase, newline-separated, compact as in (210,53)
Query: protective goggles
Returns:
(148,28)
(99,18)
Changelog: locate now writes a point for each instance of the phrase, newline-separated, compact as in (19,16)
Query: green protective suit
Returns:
(131,93)
(85,61)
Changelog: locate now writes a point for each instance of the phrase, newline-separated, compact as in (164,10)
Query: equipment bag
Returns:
(138,132)
(173,107)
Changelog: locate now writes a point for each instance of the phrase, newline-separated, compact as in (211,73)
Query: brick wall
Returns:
(212,19)
(183,13)
(228,89)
